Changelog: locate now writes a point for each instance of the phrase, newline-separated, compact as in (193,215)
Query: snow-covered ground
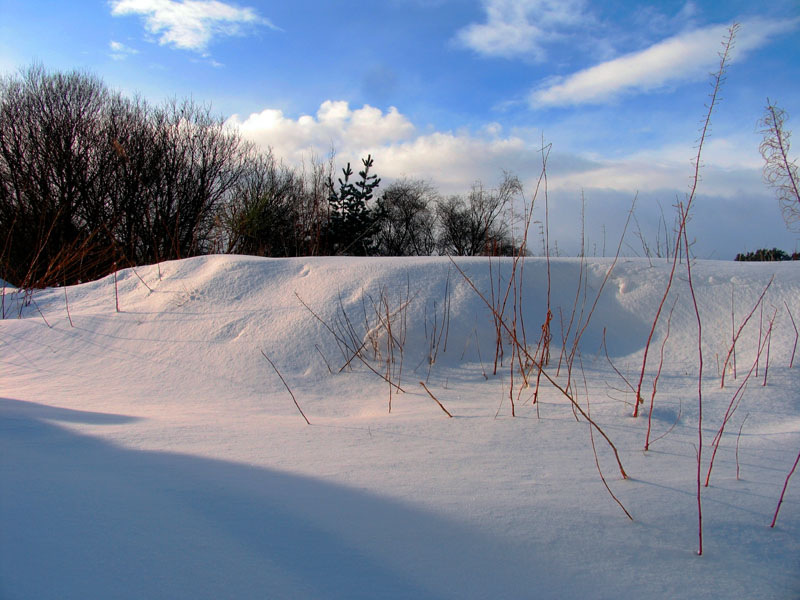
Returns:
(155,453)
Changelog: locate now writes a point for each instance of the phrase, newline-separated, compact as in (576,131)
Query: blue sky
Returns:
(456,91)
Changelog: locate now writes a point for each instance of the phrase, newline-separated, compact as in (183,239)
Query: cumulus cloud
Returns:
(189,24)
(523,27)
(688,56)
(335,125)
(453,160)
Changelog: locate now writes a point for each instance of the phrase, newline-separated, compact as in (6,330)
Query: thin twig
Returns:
(794,348)
(142,280)
(785,484)
(594,448)
(287,387)
(325,360)
(422,383)
(546,375)
(732,349)
(66,302)
(658,376)
(739,435)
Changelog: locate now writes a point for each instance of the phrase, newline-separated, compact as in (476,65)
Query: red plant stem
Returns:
(787,166)
(657,377)
(435,399)
(732,406)
(613,366)
(794,348)
(116,288)
(699,384)
(66,301)
(785,484)
(286,385)
(733,335)
(41,313)
(544,373)
(732,349)
(594,448)
(142,280)
(769,343)
(737,444)
(760,331)
(718,78)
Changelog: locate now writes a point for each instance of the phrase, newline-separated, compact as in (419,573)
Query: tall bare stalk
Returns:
(732,349)
(785,485)
(288,389)
(717,80)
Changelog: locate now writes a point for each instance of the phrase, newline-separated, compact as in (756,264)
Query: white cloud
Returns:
(688,56)
(189,24)
(451,160)
(730,168)
(454,160)
(120,51)
(334,125)
(522,27)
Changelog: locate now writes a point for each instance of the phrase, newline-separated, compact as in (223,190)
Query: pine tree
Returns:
(353,223)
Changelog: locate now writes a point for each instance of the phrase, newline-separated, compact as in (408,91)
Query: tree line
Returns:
(92,181)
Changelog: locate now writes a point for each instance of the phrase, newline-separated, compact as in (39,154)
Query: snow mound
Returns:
(143,431)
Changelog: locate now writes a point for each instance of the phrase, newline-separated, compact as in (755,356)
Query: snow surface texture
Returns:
(154,453)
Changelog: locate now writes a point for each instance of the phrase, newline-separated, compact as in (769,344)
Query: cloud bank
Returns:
(688,56)
(189,24)
(455,159)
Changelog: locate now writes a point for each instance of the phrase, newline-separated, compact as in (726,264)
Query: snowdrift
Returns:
(150,450)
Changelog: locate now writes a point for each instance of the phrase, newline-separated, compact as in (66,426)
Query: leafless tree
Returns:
(475,225)
(780,171)
(407,226)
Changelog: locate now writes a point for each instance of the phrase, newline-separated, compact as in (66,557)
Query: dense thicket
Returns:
(91,180)
(766,254)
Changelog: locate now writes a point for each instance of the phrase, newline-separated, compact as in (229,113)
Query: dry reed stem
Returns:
(142,280)
(785,484)
(733,334)
(794,348)
(594,448)
(422,383)
(658,376)
(769,343)
(546,375)
(272,364)
(40,312)
(613,366)
(116,288)
(579,332)
(325,360)
(671,427)
(732,406)
(717,79)
(565,335)
(760,331)
(732,350)
(738,436)
(684,216)
(339,339)
(66,302)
